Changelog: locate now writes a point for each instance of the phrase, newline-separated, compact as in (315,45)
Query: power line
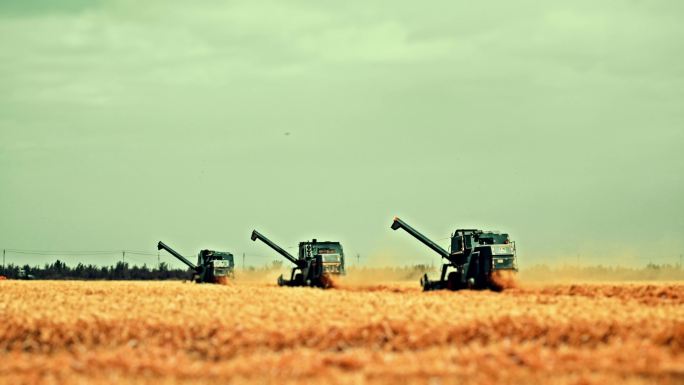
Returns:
(141,253)
(48,253)
(136,260)
(63,251)
(78,252)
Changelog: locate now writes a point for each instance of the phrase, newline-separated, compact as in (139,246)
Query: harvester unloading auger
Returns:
(317,262)
(212,266)
(475,257)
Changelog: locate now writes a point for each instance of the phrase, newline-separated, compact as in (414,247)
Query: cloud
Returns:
(14,8)
(538,115)
(72,55)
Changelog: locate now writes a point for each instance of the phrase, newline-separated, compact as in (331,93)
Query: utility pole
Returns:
(358,257)
(3,260)
(243,261)
(123,257)
(158,263)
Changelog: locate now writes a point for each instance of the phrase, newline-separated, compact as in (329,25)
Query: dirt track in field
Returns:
(170,332)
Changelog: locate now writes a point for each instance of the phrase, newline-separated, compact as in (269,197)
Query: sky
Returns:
(124,123)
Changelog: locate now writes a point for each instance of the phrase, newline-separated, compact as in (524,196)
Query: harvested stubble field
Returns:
(171,332)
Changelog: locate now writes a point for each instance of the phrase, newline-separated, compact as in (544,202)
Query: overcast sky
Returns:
(561,123)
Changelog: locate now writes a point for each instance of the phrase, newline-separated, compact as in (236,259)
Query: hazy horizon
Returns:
(124,124)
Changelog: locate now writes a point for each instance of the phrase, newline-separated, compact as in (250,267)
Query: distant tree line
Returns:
(123,271)
(120,271)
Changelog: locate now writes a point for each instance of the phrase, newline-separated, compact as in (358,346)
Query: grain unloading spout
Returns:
(398,223)
(173,252)
(256,235)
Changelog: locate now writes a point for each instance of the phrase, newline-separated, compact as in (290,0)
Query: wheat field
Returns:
(256,333)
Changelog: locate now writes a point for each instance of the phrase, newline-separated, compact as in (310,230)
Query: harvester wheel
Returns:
(495,286)
(425,282)
(298,279)
(454,280)
(326,281)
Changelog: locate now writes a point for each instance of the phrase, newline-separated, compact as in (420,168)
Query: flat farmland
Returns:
(55,332)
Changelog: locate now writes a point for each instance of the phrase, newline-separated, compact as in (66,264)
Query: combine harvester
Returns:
(476,257)
(317,262)
(212,266)
(24,275)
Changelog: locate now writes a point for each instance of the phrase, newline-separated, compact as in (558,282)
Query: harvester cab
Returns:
(475,258)
(317,262)
(212,266)
(23,274)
